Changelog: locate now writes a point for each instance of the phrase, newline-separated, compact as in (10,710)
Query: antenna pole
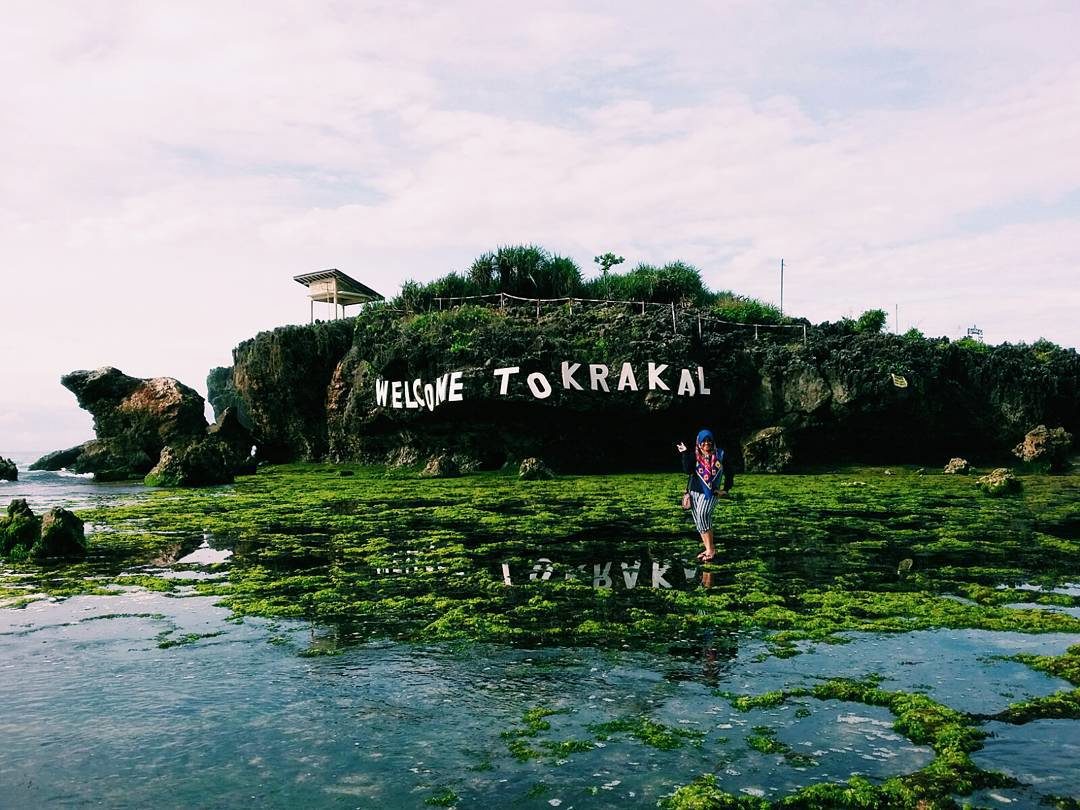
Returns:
(781,288)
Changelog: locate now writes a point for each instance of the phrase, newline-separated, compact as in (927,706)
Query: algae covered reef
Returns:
(582,563)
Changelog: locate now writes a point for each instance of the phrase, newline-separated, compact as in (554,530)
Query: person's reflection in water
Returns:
(710,670)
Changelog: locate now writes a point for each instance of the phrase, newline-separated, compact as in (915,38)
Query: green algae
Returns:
(1059,705)
(953,735)
(442,798)
(649,732)
(802,557)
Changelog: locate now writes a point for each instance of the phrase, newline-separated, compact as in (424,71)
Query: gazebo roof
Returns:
(322,285)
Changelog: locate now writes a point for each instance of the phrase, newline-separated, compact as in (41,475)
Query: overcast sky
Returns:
(166,168)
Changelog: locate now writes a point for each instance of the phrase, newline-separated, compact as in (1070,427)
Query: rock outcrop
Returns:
(1043,445)
(62,535)
(311,392)
(534,469)
(8,470)
(441,466)
(57,533)
(19,529)
(957,466)
(767,451)
(205,462)
(133,420)
(1000,482)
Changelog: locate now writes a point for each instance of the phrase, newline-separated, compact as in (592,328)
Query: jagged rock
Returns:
(200,463)
(62,535)
(133,420)
(1045,445)
(8,470)
(229,429)
(19,529)
(221,393)
(112,460)
(59,459)
(442,466)
(768,451)
(1000,482)
(534,469)
(957,466)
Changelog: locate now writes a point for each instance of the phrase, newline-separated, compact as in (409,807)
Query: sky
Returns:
(167,168)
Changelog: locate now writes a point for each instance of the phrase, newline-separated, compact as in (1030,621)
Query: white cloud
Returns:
(165,171)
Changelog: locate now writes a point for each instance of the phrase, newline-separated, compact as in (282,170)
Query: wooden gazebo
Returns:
(334,287)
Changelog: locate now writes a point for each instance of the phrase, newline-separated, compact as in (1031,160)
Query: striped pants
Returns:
(701,506)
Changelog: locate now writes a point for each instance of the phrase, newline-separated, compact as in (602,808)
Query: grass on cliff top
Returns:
(604,560)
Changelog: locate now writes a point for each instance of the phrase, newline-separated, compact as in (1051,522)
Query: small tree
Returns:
(607,261)
(871,322)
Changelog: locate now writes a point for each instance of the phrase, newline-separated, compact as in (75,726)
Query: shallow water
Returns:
(233,714)
(142,699)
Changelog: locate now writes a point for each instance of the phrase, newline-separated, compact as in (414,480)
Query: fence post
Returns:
(642,307)
(538,310)
(699,326)
(755,331)
(502,300)
(674,328)
(571,307)
(804,333)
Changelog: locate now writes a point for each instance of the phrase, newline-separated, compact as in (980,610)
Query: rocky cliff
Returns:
(329,390)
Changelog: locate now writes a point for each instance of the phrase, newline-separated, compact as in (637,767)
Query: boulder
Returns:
(8,470)
(957,466)
(1045,446)
(1000,482)
(534,469)
(768,451)
(441,466)
(62,535)
(112,460)
(19,528)
(201,463)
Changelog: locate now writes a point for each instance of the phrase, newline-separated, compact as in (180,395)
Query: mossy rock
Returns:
(19,529)
(957,466)
(442,466)
(62,535)
(534,469)
(8,470)
(1000,482)
(1043,445)
(200,463)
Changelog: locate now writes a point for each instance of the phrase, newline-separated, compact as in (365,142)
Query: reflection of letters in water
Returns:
(627,575)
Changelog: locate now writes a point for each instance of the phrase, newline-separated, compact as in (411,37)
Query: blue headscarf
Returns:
(708,467)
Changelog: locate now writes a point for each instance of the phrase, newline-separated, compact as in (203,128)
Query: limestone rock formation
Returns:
(767,451)
(57,533)
(8,470)
(59,459)
(204,462)
(133,420)
(1045,445)
(957,466)
(62,535)
(19,528)
(534,469)
(441,466)
(1000,482)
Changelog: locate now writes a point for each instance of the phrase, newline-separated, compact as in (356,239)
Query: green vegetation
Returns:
(530,271)
(649,732)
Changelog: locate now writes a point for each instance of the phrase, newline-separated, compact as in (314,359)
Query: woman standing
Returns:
(705,468)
